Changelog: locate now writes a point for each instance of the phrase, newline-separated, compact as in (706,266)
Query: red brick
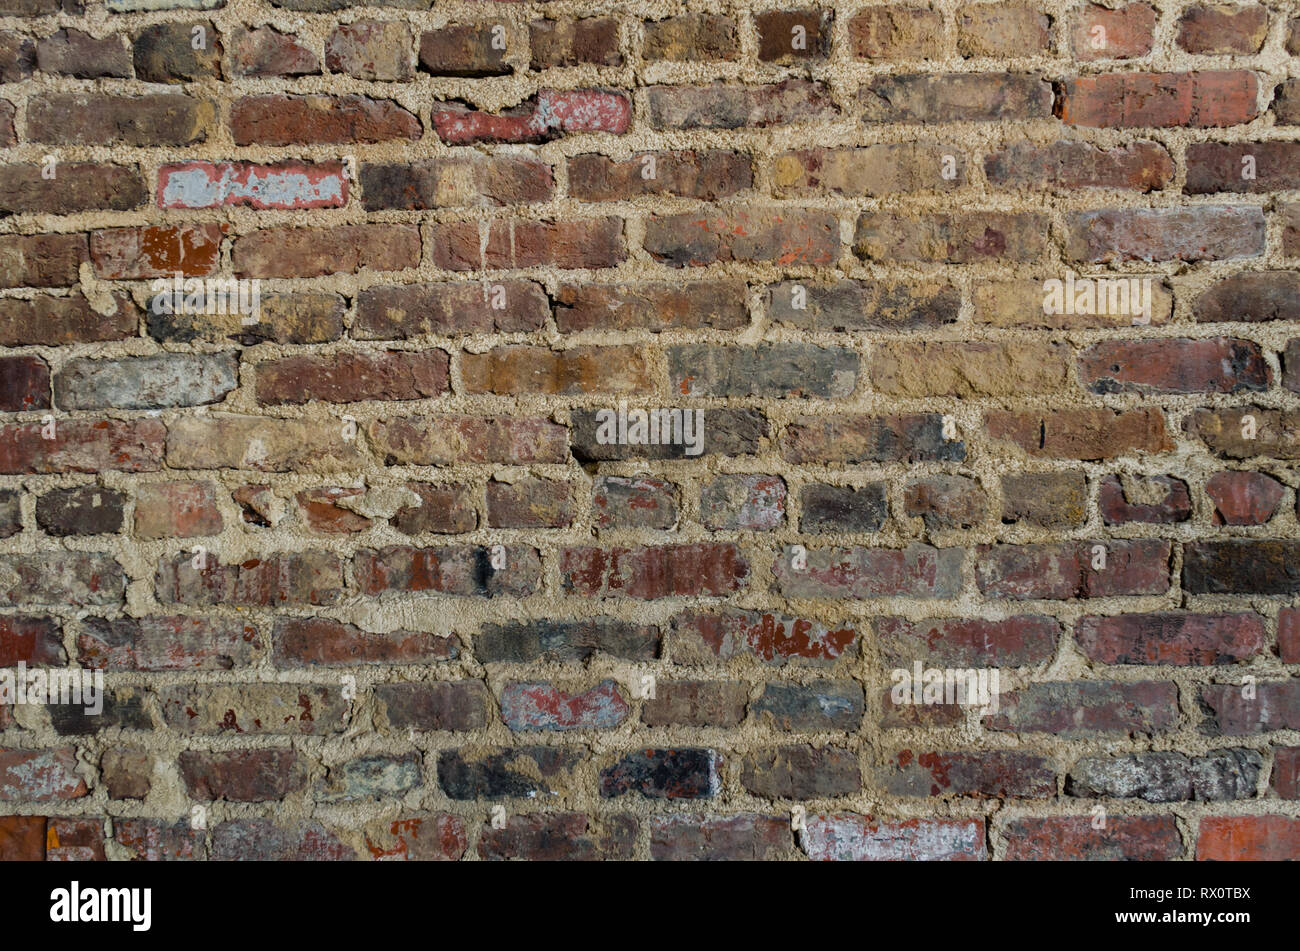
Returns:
(165,643)
(438,837)
(1243,498)
(464,570)
(1065,165)
(1223,28)
(1248,839)
(24,384)
(1151,100)
(100,118)
(278,119)
(960,238)
(242,775)
(548,115)
(353,377)
(1064,570)
(1073,838)
(1202,233)
(701,570)
(403,311)
(156,251)
(1127,31)
(1081,433)
(176,510)
(895,32)
(40,775)
(34,641)
(709,175)
(82,445)
(696,305)
(517,369)
(41,260)
(442,440)
(585,243)
(776,236)
(1161,500)
(322,642)
(316,252)
(1171,638)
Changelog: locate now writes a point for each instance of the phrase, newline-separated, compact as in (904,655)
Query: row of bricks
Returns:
(391,51)
(695,637)
(1198,99)
(796,772)
(571,836)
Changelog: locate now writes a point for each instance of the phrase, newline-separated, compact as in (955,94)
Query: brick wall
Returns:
(363,576)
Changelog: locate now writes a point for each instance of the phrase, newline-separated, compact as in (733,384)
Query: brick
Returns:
(17,57)
(403,311)
(541,705)
(870,170)
(265,51)
(1058,571)
(726,432)
(790,36)
(736,838)
(850,837)
(785,238)
(154,840)
(696,703)
(1285,781)
(176,510)
(1086,434)
(1241,566)
(1171,638)
(156,251)
(74,840)
(621,502)
(165,53)
(894,32)
(11,520)
(282,318)
(24,384)
(827,509)
(457,181)
(323,642)
(442,509)
(726,106)
(78,54)
(1125,32)
(1248,838)
(242,775)
(712,637)
(821,706)
(322,511)
(310,577)
(469,50)
(80,510)
(87,445)
(1065,165)
(441,440)
(563,836)
(945,501)
(1161,500)
(1022,640)
(908,368)
(663,774)
(446,705)
(1004,30)
(955,97)
(22,838)
(918,571)
(521,772)
(165,643)
(39,775)
(127,774)
(708,175)
(548,115)
(863,305)
(691,37)
(801,772)
(1047,499)
(1087,707)
(555,641)
(41,260)
(463,571)
(1286,103)
(283,185)
(1204,233)
(77,186)
(262,840)
(782,370)
(1223,28)
(1243,498)
(852,439)
(279,119)
(1000,774)
(1252,297)
(77,578)
(154,119)
(586,243)
(1219,776)
(254,709)
(259,443)
(353,377)
(577,370)
(571,42)
(313,252)
(962,238)
(371,777)
(1221,167)
(378,50)
(530,503)
(651,572)
(697,305)
(1209,99)
(1073,838)
(32,640)
(1277,433)
(155,382)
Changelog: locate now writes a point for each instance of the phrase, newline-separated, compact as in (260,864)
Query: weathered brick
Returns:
(1064,570)
(1223,28)
(842,508)
(1274,432)
(255,442)
(457,181)
(546,116)
(156,251)
(265,51)
(821,706)
(263,840)
(1086,707)
(100,118)
(313,252)
(1251,296)
(708,175)
(78,54)
(855,838)
(255,709)
(728,432)
(726,106)
(585,243)
(442,440)
(310,577)
(165,643)
(445,705)
(127,773)
(907,368)
(1161,500)
(894,32)
(573,42)
(1019,641)
(76,186)
(789,36)
(279,119)
(918,571)
(733,838)
(402,311)
(516,369)
(1241,167)
(80,510)
(467,49)
(1048,499)
(1243,498)
(464,571)
(530,503)
(353,377)
(166,53)
(945,501)
(283,185)
(999,774)
(710,637)
(1086,434)
(371,49)
(852,439)
(1198,100)
(1224,774)
(562,836)
(24,384)
(801,772)
(444,509)
(961,238)
(541,705)
(955,97)
(155,382)
(323,642)
(32,640)
(1171,638)
(82,445)
(521,772)
(863,305)
(1004,30)
(242,775)
(664,774)
(1248,838)
(40,775)
(639,502)
(1074,838)
(1241,566)
(565,641)
(691,37)
(694,305)
(1125,32)
(778,236)
(158,840)
(1066,165)
(648,573)
(62,577)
